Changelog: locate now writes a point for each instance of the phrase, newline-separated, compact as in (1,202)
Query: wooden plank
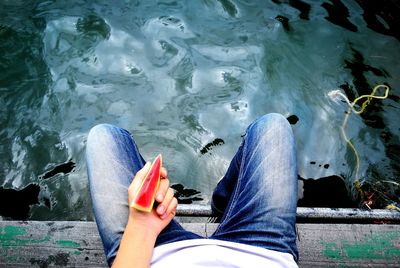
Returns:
(349,245)
(77,244)
(44,244)
(307,213)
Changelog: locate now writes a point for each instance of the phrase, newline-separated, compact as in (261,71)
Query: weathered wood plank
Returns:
(44,244)
(77,244)
(308,213)
(349,245)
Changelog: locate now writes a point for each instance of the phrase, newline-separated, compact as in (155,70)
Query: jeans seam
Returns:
(237,186)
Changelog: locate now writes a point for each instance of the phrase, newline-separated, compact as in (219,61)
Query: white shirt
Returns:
(217,253)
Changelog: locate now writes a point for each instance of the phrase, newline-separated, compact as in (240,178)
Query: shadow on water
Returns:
(328,192)
(16,204)
(339,14)
(186,195)
(324,192)
(382,16)
(64,168)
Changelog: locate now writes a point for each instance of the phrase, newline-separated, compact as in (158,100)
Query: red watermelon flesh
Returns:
(146,192)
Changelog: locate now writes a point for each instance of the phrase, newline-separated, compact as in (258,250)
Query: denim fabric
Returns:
(113,159)
(258,194)
(256,198)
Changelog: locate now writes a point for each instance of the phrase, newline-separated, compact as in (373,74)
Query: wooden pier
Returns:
(77,244)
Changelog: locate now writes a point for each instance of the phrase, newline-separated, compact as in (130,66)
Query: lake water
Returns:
(186,78)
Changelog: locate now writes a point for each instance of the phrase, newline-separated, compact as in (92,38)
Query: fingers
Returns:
(168,205)
(162,207)
(172,207)
(163,173)
(162,190)
(171,210)
(164,196)
(164,185)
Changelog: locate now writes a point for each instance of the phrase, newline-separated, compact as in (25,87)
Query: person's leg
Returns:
(258,195)
(112,161)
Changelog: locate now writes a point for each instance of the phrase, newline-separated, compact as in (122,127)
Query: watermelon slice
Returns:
(146,191)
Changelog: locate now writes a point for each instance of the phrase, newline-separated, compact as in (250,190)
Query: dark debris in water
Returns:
(15,204)
(63,168)
(293,119)
(284,21)
(378,195)
(210,145)
(185,195)
(325,166)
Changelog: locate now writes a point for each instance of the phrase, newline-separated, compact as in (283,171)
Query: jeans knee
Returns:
(99,131)
(274,121)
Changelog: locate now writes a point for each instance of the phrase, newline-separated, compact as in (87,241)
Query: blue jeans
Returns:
(256,199)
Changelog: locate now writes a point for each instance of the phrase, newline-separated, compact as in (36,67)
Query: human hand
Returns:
(164,209)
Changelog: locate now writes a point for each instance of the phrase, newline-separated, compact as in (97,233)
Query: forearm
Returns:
(136,247)
(142,229)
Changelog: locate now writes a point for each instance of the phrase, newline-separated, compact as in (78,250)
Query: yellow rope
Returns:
(392,207)
(337,93)
(363,106)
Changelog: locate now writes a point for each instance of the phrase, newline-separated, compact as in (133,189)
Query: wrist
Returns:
(140,229)
(136,246)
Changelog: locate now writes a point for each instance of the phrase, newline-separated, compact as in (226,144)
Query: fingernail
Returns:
(159,197)
(161,209)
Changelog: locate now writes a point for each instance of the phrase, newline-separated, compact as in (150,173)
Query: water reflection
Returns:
(183,75)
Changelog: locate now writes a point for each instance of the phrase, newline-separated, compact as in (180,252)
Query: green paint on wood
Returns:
(332,250)
(11,258)
(11,236)
(9,232)
(68,243)
(380,245)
